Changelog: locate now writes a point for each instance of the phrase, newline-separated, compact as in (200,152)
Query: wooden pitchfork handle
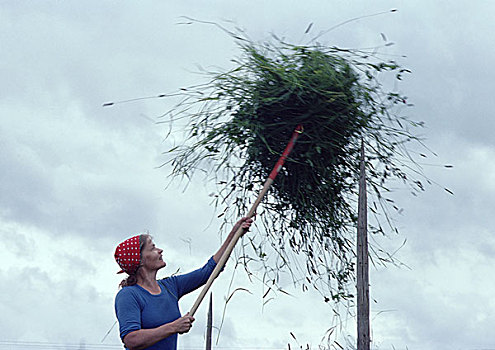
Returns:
(252,211)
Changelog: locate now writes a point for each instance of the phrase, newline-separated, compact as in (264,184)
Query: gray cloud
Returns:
(74,170)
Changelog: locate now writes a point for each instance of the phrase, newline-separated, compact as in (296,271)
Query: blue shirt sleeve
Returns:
(128,312)
(190,281)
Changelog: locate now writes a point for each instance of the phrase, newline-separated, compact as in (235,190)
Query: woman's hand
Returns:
(245,223)
(183,324)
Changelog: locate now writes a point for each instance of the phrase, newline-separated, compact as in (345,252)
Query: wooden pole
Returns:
(252,211)
(209,325)
(228,250)
(363,304)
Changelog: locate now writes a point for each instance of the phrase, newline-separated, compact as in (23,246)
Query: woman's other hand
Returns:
(184,323)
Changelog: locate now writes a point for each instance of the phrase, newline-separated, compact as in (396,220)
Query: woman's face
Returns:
(151,256)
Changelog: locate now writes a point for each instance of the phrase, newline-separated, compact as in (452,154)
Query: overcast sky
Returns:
(77,178)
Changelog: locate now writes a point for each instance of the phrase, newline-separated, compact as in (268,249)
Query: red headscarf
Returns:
(128,255)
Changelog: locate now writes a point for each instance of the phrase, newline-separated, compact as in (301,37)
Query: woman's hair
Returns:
(132,278)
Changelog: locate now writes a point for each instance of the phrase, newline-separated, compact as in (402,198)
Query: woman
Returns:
(147,309)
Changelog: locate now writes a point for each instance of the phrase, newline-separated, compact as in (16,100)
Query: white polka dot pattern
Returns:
(127,255)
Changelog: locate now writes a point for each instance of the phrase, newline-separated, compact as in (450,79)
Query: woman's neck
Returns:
(147,280)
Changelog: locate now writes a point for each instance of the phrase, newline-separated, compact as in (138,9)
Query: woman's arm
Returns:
(191,281)
(245,223)
(144,338)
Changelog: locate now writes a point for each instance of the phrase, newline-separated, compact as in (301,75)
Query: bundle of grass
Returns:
(244,120)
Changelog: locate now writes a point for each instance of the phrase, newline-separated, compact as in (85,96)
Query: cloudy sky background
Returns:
(77,178)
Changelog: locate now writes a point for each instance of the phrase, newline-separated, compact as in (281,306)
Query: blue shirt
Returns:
(136,308)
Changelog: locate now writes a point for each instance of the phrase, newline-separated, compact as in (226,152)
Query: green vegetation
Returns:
(239,123)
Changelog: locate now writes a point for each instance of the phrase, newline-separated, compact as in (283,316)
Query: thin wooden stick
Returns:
(252,211)
(209,325)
